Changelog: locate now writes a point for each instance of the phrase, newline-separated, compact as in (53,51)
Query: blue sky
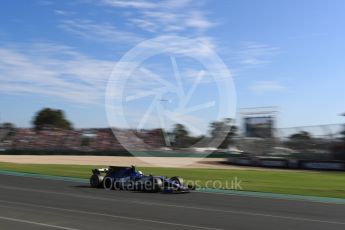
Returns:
(60,54)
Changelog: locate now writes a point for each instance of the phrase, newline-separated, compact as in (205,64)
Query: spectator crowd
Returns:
(81,140)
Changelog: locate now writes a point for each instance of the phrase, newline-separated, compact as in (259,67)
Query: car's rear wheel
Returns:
(96,181)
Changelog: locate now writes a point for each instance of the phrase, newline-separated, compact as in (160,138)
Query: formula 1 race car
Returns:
(128,178)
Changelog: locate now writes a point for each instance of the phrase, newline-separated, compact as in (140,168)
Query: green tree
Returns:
(343,135)
(224,129)
(303,135)
(86,141)
(8,128)
(343,132)
(181,135)
(51,118)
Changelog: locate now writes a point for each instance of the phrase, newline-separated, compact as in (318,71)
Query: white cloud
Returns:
(53,70)
(262,87)
(145,4)
(64,12)
(254,54)
(197,20)
(50,69)
(165,16)
(45,2)
(199,46)
(131,4)
(99,32)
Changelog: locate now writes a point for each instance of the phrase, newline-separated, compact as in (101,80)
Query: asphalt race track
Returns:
(33,203)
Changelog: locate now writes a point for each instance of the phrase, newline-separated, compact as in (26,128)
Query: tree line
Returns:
(49,118)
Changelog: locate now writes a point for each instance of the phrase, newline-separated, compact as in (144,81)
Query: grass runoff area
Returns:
(308,183)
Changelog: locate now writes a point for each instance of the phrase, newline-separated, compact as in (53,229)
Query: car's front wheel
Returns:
(157,185)
(177,180)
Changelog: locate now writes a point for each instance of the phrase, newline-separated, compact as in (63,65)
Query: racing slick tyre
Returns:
(108,183)
(177,180)
(96,181)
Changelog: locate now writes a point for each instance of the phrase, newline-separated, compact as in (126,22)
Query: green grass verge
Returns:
(324,184)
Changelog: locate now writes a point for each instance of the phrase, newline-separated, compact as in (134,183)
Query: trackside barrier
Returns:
(241,161)
(288,163)
(323,165)
(274,163)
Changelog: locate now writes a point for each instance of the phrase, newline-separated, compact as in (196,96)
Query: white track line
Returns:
(35,223)
(107,215)
(177,206)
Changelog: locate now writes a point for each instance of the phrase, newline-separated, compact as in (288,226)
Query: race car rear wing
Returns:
(99,171)
(111,169)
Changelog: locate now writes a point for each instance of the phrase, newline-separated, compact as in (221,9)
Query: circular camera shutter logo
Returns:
(117,93)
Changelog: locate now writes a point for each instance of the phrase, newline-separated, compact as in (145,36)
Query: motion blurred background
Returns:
(286,60)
